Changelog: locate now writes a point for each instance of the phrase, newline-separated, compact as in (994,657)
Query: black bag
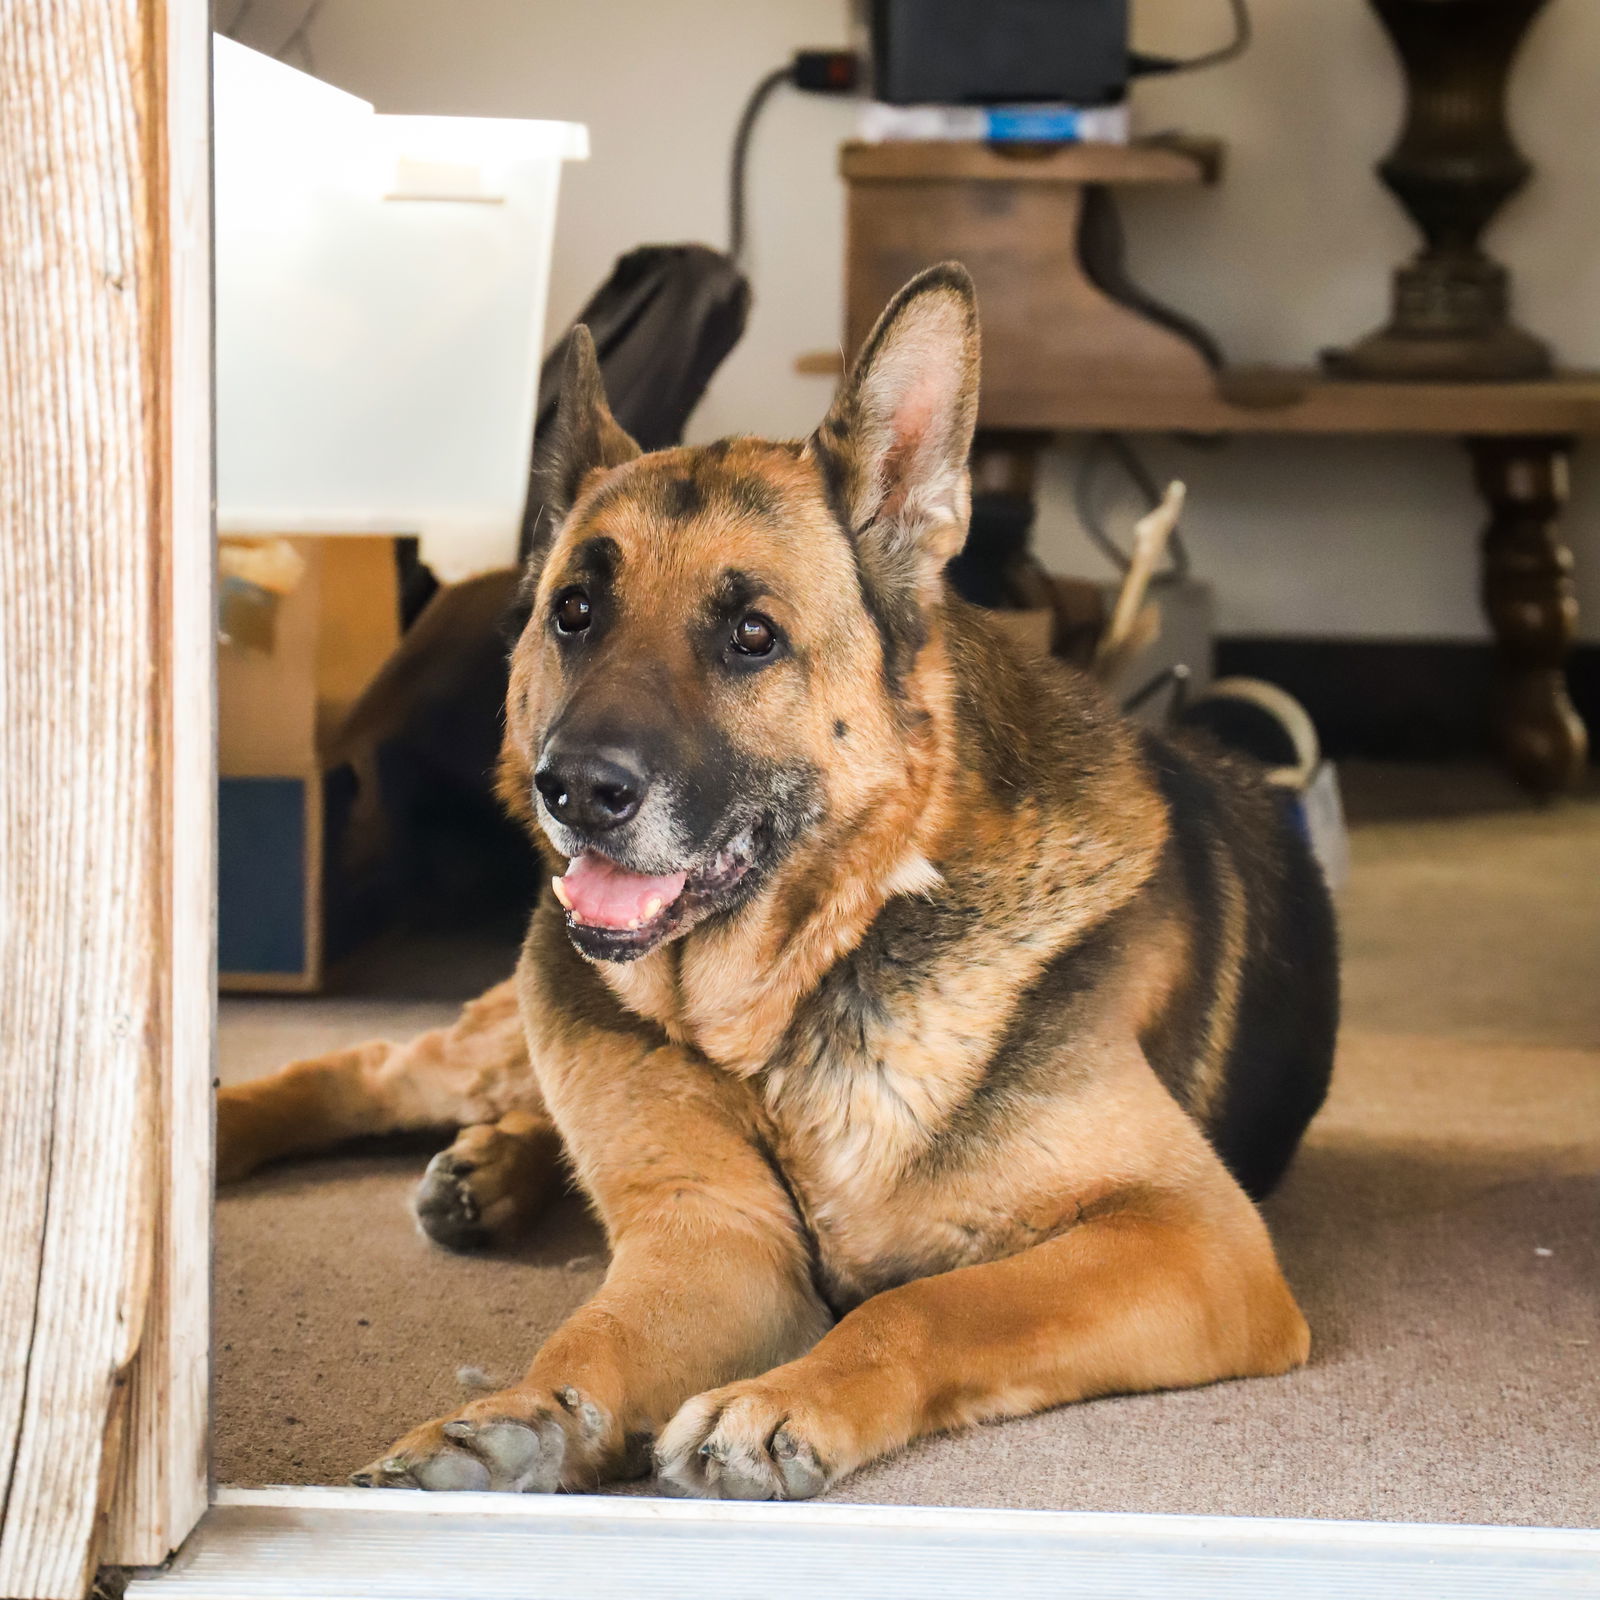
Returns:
(663,322)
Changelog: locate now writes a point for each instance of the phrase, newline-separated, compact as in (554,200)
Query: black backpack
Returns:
(663,322)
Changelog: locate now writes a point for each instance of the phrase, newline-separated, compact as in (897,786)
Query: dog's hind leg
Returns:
(475,1071)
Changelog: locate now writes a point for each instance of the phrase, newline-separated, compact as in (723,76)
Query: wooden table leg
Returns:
(1529,596)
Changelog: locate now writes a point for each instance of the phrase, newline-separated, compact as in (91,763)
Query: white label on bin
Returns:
(441,180)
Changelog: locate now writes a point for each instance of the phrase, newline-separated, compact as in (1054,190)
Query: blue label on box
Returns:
(261,876)
(1034,125)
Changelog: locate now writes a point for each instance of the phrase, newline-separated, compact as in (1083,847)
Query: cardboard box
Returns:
(287,675)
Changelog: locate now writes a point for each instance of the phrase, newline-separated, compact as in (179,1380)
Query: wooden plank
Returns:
(934,160)
(163,1483)
(98,364)
(1290,401)
(1293,400)
(342,1544)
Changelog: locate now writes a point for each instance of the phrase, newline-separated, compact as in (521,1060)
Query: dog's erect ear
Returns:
(894,447)
(585,437)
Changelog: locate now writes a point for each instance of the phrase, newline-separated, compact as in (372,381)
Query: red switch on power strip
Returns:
(825,71)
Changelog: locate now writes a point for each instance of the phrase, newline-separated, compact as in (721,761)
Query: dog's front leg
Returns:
(1152,1295)
(710,1280)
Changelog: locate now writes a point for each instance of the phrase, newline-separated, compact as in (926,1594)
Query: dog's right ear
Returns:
(894,446)
(584,439)
(892,451)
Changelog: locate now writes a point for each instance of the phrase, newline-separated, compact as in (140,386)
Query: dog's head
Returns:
(715,664)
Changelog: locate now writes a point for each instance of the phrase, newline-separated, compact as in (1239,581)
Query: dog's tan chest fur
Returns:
(878,1099)
(897,1177)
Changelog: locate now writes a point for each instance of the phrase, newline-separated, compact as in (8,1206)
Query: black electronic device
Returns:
(995,52)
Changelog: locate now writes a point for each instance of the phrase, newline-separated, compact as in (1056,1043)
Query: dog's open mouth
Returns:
(616,915)
(599,894)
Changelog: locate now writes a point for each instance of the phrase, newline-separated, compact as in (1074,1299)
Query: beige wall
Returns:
(1290,254)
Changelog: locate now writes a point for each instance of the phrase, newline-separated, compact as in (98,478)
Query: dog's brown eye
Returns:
(572,611)
(753,635)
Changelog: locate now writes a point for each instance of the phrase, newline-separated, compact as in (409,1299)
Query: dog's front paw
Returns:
(520,1441)
(749,1441)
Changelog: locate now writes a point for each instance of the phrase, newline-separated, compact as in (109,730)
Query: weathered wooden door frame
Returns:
(106,786)
(107,827)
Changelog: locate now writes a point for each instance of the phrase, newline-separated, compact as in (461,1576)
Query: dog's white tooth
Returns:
(560,890)
(651,906)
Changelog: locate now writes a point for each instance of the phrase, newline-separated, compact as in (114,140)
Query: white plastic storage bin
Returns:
(381,286)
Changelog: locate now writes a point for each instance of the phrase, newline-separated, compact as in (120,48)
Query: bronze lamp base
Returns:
(1452,169)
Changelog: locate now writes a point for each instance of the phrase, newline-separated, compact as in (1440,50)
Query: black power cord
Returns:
(817,71)
(1143,66)
(740,158)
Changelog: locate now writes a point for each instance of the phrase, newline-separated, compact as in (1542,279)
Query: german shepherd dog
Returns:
(919,1029)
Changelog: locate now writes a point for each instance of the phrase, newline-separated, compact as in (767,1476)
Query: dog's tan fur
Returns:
(926,1130)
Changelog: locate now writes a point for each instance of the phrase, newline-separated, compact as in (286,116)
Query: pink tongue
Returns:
(598,892)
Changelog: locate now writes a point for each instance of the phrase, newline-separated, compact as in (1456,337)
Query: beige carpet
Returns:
(1442,1227)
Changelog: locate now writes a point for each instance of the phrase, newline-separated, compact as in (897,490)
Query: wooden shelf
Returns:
(1286,400)
(1069,347)
(1293,400)
(1174,160)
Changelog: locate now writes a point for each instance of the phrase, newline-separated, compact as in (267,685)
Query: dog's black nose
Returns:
(590,792)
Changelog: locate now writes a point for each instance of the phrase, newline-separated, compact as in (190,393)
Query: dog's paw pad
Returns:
(739,1443)
(499,1453)
(451,1470)
(392,1472)
(523,1457)
(439,1470)
(519,1441)
(802,1473)
(446,1208)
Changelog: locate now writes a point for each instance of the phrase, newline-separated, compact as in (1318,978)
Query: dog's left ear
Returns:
(894,447)
(585,439)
